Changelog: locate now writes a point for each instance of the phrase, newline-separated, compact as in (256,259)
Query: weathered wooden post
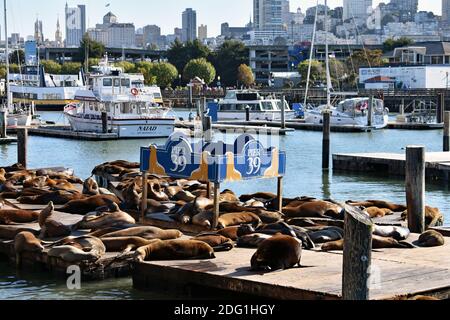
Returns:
(247,113)
(357,254)
(2,124)
(190,98)
(440,108)
(104,122)
(207,128)
(283,113)
(215,221)
(199,111)
(144,196)
(280,194)
(22,140)
(415,188)
(370,112)
(447,131)
(326,140)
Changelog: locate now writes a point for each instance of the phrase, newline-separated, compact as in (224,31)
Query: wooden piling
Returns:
(370,112)
(215,221)
(144,196)
(104,122)
(3,124)
(357,254)
(326,140)
(207,129)
(440,108)
(22,140)
(283,113)
(447,131)
(280,194)
(415,188)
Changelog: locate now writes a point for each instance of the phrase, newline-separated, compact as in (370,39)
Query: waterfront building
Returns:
(418,32)
(421,53)
(152,35)
(202,32)
(357,9)
(75,25)
(446,13)
(266,59)
(114,34)
(189,25)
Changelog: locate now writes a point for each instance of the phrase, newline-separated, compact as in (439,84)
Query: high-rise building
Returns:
(189,25)
(446,12)
(114,34)
(38,33)
(268,15)
(75,25)
(58,35)
(410,6)
(152,35)
(357,9)
(202,32)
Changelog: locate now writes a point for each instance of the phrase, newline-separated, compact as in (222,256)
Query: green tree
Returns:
(391,44)
(163,73)
(14,68)
(2,71)
(94,49)
(180,54)
(199,68)
(227,59)
(145,68)
(245,75)
(360,59)
(318,72)
(17,57)
(51,66)
(71,68)
(126,66)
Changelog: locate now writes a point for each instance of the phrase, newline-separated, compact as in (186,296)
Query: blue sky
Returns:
(166,13)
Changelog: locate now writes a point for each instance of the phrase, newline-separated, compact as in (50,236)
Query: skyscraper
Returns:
(358,9)
(75,25)
(446,12)
(189,25)
(410,6)
(202,32)
(152,35)
(268,15)
(38,33)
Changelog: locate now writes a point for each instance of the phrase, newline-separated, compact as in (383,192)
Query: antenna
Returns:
(8,101)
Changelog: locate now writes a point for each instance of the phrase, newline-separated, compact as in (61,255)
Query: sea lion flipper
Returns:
(406,244)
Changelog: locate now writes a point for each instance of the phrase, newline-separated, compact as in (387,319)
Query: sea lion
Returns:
(110,169)
(398,233)
(252,240)
(309,222)
(278,252)
(146,232)
(433,216)
(268,216)
(77,249)
(155,192)
(254,204)
(229,232)
(90,187)
(12,216)
(423,298)
(100,220)
(174,250)
(315,209)
(84,206)
(125,164)
(217,242)
(37,182)
(125,244)
(203,219)
(26,242)
(375,212)
(237,218)
(327,234)
(59,197)
(288,230)
(377,243)
(184,195)
(379,204)
(61,184)
(185,213)
(51,228)
(14,167)
(154,206)
(131,197)
(258,195)
(228,195)
(431,238)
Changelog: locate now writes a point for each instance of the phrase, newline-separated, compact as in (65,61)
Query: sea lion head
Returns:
(90,187)
(46,213)
(245,229)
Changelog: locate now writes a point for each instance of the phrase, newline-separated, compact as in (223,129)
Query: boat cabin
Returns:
(240,100)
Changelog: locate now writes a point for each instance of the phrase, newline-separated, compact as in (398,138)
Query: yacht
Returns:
(352,112)
(233,107)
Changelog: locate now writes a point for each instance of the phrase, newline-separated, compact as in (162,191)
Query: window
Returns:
(125,83)
(117,82)
(267,105)
(107,82)
(227,107)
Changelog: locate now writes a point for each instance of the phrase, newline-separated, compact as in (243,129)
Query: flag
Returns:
(107,5)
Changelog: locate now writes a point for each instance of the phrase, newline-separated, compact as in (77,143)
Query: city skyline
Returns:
(167,15)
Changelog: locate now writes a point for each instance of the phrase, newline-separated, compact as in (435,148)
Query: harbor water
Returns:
(304,177)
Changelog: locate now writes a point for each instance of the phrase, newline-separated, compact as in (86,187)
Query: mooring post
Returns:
(357,254)
(440,108)
(144,196)
(402,107)
(447,131)
(207,128)
(247,113)
(199,111)
(370,112)
(283,113)
(22,140)
(326,140)
(2,124)
(104,122)
(190,98)
(415,188)
(215,221)
(280,194)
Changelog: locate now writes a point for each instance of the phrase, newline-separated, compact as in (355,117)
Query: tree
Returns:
(51,66)
(95,49)
(227,59)
(17,57)
(363,58)
(391,44)
(127,67)
(180,54)
(199,68)
(145,67)
(245,75)
(318,72)
(164,74)
(71,68)
(2,71)
(14,68)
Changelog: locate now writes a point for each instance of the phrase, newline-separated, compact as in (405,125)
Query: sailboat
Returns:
(17,114)
(364,112)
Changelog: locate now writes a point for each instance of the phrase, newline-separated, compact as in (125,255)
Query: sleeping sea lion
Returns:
(77,249)
(99,220)
(217,242)
(278,252)
(377,243)
(146,232)
(431,238)
(125,164)
(375,212)
(398,233)
(184,195)
(288,230)
(433,216)
(59,197)
(268,216)
(203,219)
(315,209)
(12,216)
(51,228)
(37,182)
(229,232)
(90,187)
(252,240)
(327,234)
(258,195)
(174,250)
(155,192)
(379,204)
(26,242)
(14,167)
(8,232)
(125,244)
(84,206)
(233,219)
(228,195)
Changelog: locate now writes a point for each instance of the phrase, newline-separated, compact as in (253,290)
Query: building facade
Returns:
(265,60)
(446,13)
(58,35)
(152,35)
(202,32)
(75,25)
(189,25)
(357,9)
(409,6)
(114,34)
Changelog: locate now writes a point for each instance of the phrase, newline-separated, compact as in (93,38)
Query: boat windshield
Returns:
(286,105)
(360,107)
(239,106)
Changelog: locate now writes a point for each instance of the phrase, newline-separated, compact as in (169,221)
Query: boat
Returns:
(233,107)
(352,112)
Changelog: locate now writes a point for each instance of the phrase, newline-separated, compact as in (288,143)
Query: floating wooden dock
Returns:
(415,126)
(437,164)
(246,127)
(396,274)
(7,140)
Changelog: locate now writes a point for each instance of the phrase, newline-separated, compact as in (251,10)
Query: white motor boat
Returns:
(352,112)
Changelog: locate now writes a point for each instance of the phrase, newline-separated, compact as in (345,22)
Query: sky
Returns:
(166,13)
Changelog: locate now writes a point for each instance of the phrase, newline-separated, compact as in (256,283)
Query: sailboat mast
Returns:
(327,56)
(8,102)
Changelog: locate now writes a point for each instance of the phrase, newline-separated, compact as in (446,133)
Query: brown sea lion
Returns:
(26,242)
(60,184)
(171,191)
(14,167)
(268,216)
(37,182)
(258,195)
(203,219)
(252,240)
(146,232)
(77,249)
(185,213)
(20,176)
(125,244)
(101,232)
(377,243)
(12,216)
(184,195)
(8,232)
(174,250)
(217,242)
(90,187)
(201,193)
(100,220)
(229,232)
(57,197)
(433,217)
(86,205)
(423,298)
(375,212)
(315,209)
(229,196)
(125,164)
(237,218)
(277,252)
(110,169)
(379,204)
(155,192)
(431,238)
(51,228)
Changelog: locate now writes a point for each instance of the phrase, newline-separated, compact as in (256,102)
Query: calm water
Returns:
(304,177)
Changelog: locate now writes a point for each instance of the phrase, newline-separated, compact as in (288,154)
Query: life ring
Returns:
(134,92)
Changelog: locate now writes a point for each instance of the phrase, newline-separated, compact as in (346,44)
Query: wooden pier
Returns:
(396,274)
(246,127)
(415,126)
(437,164)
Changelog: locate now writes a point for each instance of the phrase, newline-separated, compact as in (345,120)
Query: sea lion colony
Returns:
(250,221)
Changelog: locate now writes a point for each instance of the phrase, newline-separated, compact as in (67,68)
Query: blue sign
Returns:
(215,162)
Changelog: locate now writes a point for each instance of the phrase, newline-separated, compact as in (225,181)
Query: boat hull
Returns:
(21,120)
(126,128)
(378,121)
(254,116)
